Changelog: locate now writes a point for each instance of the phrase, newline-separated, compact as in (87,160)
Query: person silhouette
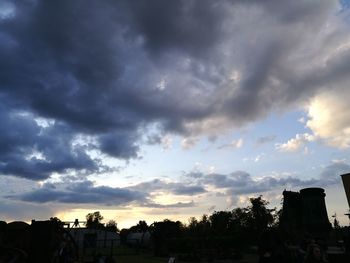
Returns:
(76,223)
(315,254)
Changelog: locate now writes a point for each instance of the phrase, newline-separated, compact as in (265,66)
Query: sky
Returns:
(146,110)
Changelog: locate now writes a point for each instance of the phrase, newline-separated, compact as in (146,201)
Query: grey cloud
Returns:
(82,193)
(154,139)
(332,172)
(13,184)
(194,174)
(243,183)
(189,26)
(265,139)
(176,188)
(188,190)
(119,145)
(174,205)
(13,210)
(93,68)
(236,179)
(22,139)
(236,183)
(85,192)
(150,185)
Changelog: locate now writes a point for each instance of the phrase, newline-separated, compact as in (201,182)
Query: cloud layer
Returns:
(82,193)
(145,194)
(329,117)
(78,77)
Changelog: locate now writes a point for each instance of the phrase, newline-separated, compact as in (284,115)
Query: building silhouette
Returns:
(305,212)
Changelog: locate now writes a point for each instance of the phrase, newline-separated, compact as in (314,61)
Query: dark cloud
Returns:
(192,27)
(94,68)
(31,151)
(82,193)
(85,192)
(119,145)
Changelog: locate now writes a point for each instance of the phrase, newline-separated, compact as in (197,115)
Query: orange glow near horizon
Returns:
(125,218)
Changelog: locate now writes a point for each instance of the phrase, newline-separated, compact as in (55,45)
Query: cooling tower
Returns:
(313,207)
(346,183)
(290,220)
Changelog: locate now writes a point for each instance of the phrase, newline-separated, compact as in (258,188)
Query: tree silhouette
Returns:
(240,218)
(93,220)
(163,233)
(112,226)
(142,226)
(204,225)
(139,228)
(219,234)
(220,222)
(261,216)
(192,226)
(55,219)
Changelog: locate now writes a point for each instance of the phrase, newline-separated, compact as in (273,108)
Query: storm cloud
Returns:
(82,76)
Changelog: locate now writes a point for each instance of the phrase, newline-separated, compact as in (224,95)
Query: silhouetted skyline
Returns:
(154,109)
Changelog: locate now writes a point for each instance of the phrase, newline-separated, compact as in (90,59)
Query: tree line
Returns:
(255,217)
(239,228)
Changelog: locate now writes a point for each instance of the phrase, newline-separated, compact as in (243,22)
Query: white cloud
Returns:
(255,159)
(167,142)
(211,169)
(161,85)
(243,200)
(329,117)
(258,157)
(296,143)
(235,144)
(235,76)
(188,143)
(211,126)
(231,200)
(343,160)
(301,120)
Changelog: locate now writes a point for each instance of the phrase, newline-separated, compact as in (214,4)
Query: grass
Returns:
(126,255)
(144,258)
